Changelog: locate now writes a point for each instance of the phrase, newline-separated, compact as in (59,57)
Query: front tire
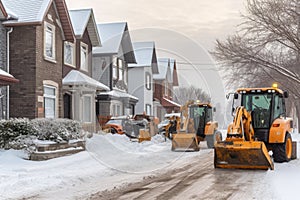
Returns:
(283,152)
(211,139)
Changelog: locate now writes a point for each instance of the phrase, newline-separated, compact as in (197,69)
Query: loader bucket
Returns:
(242,155)
(185,142)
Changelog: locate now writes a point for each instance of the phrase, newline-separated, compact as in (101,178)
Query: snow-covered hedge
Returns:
(57,129)
(19,133)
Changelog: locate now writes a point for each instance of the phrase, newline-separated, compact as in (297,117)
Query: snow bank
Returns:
(110,160)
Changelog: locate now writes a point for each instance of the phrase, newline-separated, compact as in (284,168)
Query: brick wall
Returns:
(23,67)
(29,66)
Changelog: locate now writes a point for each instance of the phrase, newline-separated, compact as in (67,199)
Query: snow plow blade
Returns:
(185,142)
(242,155)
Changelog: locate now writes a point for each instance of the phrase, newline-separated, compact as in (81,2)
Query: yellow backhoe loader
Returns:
(196,124)
(259,126)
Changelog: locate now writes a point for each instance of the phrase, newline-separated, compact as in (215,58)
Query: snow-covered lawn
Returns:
(112,161)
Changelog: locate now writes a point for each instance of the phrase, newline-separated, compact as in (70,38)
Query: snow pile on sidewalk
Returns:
(110,160)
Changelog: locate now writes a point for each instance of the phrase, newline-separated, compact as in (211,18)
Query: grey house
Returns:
(5,77)
(140,76)
(110,67)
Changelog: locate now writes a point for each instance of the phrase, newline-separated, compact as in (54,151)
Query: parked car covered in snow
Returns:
(119,125)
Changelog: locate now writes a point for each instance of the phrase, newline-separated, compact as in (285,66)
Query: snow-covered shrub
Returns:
(13,128)
(57,130)
(19,133)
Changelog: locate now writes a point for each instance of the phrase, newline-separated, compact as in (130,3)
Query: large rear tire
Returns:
(211,139)
(283,152)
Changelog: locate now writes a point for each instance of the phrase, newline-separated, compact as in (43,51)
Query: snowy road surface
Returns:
(116,168)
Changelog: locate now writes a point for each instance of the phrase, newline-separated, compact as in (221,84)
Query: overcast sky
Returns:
(182,29)
(202,20)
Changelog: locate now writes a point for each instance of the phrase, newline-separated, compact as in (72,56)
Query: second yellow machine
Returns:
(196,124)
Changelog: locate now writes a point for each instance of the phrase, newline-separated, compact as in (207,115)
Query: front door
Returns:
(67,106)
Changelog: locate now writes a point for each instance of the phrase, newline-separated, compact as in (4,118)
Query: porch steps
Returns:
(49,151)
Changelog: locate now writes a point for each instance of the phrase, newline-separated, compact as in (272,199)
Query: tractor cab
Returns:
(201,114)
(265,105)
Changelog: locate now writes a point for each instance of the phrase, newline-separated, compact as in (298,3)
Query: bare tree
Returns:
(185,94)
(266,48)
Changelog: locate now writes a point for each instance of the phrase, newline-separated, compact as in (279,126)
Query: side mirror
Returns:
(214,109)
(285,94)
(236,95)
(232,110)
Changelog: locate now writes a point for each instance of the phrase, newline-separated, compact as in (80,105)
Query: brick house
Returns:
(36,58)
(79,89)
(164,82)
(110,67)
(5,77)
(140,76)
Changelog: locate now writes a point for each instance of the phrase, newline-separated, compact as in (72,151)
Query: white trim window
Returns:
(87,109)
(49,101)
(120,66)
(83,56)
(69,54)
(166,88)
(114,68)
(148,109)
(49,41)
(148,81)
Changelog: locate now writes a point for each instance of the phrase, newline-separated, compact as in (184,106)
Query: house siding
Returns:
(136,86)
(101,71)
(3,66)
(3,52)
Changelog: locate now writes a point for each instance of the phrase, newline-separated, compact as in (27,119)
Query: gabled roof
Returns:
(32,12)
(174,72)
(84,19)
(75,77)
(144,54)
(163,68)
(113,37)
(3,13)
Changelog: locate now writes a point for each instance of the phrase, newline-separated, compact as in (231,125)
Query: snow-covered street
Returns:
(117,168)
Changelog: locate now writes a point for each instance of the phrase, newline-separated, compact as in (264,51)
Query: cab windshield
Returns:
(260,107)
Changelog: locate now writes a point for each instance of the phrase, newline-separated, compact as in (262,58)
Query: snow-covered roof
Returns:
(119,94)
(163,66)
(27,10)
(113,35)
(75,77)
(143,53)
(84,19)
(6,78)
(172,102)
(32,12)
